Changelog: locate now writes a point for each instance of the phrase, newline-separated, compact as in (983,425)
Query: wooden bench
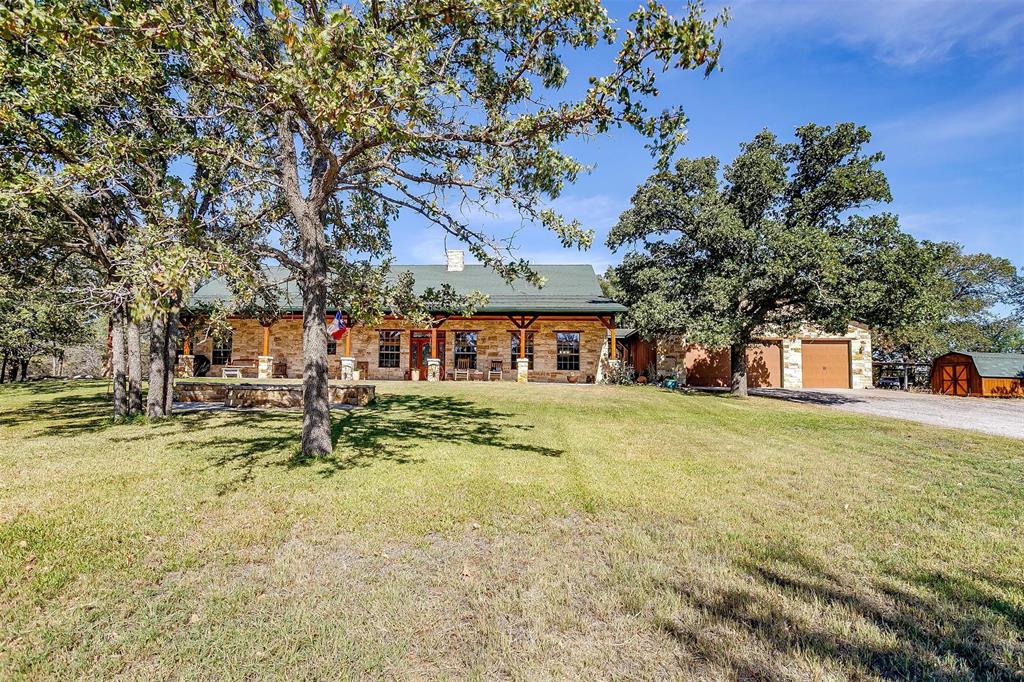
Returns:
(235,369)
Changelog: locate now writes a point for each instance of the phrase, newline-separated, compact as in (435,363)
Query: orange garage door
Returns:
(764,365)
(707,367)
(826,364)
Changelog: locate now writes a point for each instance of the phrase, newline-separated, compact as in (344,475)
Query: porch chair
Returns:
(279,369)
(462,368)
(496,370)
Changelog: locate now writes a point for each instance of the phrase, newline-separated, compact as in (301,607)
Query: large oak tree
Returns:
(780,237)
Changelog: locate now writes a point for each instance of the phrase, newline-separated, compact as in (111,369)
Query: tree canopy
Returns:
(975,303)
(780,237)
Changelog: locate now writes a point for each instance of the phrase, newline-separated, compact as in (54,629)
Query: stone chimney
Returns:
(456,260)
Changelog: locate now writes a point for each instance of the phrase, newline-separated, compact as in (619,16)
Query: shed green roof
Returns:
(568,289)
(999,365)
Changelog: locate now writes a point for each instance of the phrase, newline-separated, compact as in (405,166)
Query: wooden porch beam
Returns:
(266,340)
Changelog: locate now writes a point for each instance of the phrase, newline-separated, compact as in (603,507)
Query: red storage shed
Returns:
(979,374)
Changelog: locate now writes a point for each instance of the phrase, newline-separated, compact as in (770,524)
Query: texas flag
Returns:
(337,328)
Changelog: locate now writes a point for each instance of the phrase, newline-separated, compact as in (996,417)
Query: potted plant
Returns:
(572,378)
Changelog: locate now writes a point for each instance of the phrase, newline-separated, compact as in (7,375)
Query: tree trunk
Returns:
(738,359)
(316,408)
(108,351)
(161,365)
(171,356)
(3,371)
(118,362)
(134,368)
(155,404)
(24,369)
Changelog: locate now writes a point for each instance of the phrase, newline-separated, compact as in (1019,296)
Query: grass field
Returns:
(511,531)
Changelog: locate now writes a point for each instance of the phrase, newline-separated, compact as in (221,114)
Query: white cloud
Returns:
(902,33)
(998,115)
(980,228)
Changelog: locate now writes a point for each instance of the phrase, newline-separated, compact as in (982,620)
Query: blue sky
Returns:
(940,85)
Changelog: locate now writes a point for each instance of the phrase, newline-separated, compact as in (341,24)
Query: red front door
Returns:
(419,352)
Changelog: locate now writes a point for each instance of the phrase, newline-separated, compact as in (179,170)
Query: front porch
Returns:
(563,348)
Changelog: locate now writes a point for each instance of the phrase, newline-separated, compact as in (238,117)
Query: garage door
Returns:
(707,367)
(826,364)
(764,365)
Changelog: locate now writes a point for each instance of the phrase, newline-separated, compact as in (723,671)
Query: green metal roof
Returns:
(568,289)
(998,365)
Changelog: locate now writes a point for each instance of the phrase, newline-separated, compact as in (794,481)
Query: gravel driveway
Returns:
(999,416)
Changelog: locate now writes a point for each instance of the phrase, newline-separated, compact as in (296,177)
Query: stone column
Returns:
(433,369)
(792,364)
(523,369)
(265,367)
(612,372)
(186,367)
(348,366)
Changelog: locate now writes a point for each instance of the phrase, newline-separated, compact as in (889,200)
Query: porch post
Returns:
(613,352)
(433,343)
(348,363)
(265,362)
(348,337)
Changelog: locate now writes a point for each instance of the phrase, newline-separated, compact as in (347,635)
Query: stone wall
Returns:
(493,343)
(267,395)
(860,355)
(671,353)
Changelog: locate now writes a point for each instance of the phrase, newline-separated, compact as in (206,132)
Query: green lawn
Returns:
(504,530)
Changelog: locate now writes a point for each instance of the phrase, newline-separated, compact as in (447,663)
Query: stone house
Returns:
(564,331)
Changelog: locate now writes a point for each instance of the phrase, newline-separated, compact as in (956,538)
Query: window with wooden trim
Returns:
(515,348)
(389,349)
(465,349)
(222,350)
(567,350)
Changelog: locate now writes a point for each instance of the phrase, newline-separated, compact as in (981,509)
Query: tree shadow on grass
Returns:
(67,415)
(395,429)
(934,626)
